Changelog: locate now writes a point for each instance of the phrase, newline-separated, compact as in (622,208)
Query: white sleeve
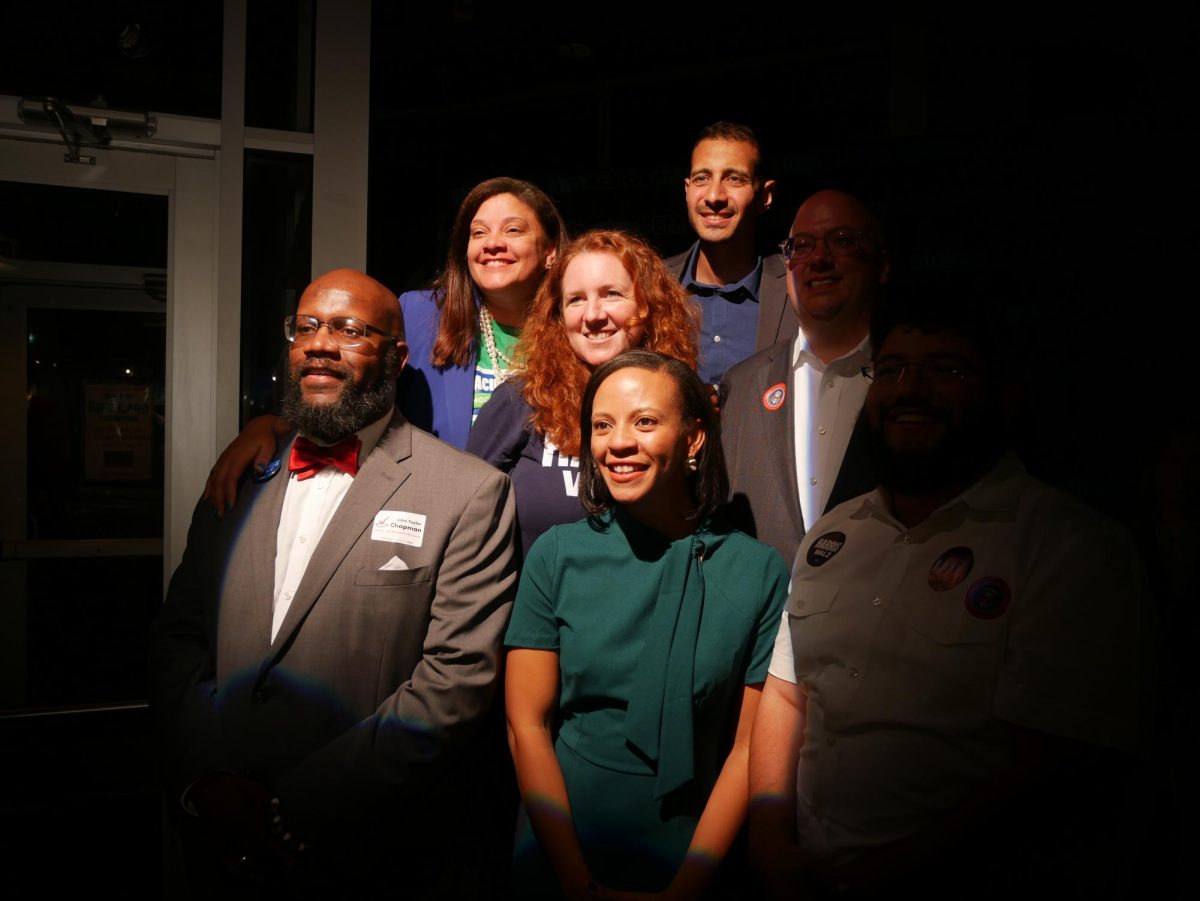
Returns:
(783,665)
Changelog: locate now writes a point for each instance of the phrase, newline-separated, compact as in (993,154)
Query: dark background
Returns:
(1051,158)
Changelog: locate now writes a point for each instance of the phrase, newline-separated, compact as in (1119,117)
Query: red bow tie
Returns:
(308,459)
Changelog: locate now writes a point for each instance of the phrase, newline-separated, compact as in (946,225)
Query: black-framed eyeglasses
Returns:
(345,330)
(938,372)
(840,241)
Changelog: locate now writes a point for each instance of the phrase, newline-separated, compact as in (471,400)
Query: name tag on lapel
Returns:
(399,527)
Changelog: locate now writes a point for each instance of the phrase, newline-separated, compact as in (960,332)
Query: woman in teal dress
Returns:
(638,646)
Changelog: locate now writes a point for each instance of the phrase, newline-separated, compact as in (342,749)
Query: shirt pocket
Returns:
(393,578)
(810,623)
(946,620)
(811,599)
(950,659)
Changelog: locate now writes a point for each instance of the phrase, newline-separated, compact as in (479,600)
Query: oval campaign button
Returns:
(268,471)
(951,568)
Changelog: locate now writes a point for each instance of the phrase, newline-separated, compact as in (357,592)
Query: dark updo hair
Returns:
(709,485)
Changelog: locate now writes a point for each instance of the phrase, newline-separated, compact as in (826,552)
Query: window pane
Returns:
(276,264)
(95,423)
(279,64)
(83,305)
(163,56)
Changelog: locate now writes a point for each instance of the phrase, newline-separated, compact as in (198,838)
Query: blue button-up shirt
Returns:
(729,325)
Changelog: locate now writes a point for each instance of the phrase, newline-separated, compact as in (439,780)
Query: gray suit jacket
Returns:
(378,677)
(760,452)
(776,321)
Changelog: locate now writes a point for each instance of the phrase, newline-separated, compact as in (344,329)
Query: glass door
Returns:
(92,324)
(109,377)
(83,325)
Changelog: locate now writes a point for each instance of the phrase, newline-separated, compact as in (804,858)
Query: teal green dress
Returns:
(656,641)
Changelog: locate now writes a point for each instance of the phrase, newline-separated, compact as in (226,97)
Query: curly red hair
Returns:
(554,376)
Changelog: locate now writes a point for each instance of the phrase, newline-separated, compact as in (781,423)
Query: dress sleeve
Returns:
(501,430)
(774,593)
(533,624)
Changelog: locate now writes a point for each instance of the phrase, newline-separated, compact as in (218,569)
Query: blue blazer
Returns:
(433,399)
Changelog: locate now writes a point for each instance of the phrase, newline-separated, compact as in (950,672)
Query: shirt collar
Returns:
(847,364)
(369,435)
(998,492)
(746,287)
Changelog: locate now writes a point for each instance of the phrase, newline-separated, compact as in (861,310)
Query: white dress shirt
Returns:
(308,506)
(828,398)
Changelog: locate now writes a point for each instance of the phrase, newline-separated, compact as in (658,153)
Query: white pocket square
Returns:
(394,563)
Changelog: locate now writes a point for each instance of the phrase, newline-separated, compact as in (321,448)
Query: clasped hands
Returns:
(244,825)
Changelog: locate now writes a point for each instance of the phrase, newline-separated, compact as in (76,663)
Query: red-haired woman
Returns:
(610,292)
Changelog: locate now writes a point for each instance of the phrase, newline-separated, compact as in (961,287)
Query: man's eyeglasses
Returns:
(345,330)
(841,242)
(938,372)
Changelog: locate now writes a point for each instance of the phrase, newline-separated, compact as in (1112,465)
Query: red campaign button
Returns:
(988,598)
(951,568)
(774,396)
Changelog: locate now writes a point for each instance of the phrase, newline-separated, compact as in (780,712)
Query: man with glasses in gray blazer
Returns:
(790,413)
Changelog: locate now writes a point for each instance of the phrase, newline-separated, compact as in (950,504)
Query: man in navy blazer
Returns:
(329,648)
(789,414)
(741,295)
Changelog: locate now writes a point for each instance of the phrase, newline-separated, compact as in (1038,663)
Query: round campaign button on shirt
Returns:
(951,568)
(824,548)
(773,397)
(988,598)
(268,471)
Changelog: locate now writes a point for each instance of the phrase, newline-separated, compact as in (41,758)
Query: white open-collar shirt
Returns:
(829,397)
(308,506)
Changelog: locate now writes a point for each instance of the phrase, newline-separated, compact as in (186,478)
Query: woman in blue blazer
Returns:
(460,332)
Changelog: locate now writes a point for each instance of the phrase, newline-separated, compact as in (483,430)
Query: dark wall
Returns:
(1052,163)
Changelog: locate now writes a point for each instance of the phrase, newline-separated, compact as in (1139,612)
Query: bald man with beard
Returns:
(328,648)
